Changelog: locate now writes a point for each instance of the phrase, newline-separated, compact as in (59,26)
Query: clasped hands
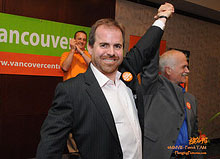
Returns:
(166,10)
(74,47)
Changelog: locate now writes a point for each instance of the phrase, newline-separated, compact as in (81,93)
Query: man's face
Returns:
(180,70)
(81,40)
(107,51)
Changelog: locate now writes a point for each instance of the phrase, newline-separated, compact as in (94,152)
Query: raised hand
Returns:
(73,44)
(166,9)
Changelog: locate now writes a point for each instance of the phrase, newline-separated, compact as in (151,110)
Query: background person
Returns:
(170,112)
(76,61)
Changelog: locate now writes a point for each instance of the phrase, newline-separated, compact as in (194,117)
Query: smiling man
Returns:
(174,66)
(170,112)
(77,59)
(107,50)
(103,110)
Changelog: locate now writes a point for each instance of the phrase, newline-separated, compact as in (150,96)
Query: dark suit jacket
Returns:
(164,112)
(80,107)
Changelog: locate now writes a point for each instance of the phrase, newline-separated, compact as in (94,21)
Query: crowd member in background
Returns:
(77,59)
(170,112)
(103,108)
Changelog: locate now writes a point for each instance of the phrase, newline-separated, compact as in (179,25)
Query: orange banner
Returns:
(134,39)
(28,64)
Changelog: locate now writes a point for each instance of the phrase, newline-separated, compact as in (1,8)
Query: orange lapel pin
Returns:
(127,76)
(188,105)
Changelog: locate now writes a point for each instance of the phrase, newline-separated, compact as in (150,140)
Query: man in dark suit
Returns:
(102,108)
(170,112)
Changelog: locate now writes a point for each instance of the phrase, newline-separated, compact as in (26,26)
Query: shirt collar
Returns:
(103,79)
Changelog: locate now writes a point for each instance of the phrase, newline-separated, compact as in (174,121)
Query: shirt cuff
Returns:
(159,24)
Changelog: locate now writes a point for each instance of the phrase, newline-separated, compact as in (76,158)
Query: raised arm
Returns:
(142,53)
(150,73)
(85,57)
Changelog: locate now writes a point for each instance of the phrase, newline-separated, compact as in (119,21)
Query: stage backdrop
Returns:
(134,39)
(30,46)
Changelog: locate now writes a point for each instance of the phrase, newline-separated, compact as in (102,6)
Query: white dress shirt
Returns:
(122,105)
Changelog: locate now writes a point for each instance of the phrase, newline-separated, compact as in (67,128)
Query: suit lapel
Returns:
(180,97)
(137,95)
(133,84)
(185,103)
(100,102)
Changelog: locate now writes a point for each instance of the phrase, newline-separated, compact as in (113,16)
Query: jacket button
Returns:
(178,129)
(181,115)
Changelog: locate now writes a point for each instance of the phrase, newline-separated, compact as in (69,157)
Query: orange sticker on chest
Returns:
(188,105)
(127,76)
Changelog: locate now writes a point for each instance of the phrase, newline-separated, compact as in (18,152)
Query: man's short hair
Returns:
(107,22)
(80,31)
(167,59)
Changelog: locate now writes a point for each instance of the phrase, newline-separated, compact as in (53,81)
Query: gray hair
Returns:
(167,59)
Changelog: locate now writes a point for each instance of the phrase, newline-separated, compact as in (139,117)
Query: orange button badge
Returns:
(188,105)
(127,76)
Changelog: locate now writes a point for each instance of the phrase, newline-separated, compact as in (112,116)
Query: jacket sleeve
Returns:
(56,127)
(150,75)
(141,54)
(196,134)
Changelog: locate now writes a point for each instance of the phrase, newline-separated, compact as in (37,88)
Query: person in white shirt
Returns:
(103,108)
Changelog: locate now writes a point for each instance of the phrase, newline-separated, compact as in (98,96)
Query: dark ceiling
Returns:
(187,9)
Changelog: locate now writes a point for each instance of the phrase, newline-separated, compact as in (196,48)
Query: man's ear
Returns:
(168,70)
